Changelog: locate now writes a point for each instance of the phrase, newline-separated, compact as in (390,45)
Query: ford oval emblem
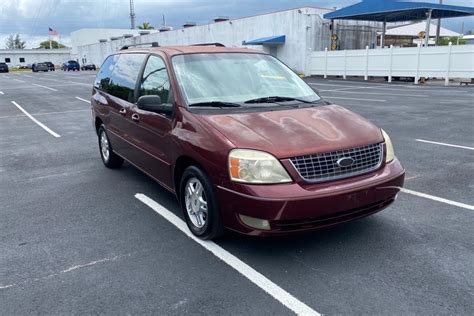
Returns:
(345,162)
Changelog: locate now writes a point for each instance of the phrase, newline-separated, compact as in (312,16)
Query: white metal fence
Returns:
(434,62)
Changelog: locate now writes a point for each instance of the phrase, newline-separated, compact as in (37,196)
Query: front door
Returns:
(151,132)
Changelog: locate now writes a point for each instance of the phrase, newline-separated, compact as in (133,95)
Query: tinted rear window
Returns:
(124,76)
(102,79)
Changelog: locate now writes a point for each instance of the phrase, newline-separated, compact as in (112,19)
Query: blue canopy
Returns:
(397,11)
(272,40)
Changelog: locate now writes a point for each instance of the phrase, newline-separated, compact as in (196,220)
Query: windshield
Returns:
(238,78)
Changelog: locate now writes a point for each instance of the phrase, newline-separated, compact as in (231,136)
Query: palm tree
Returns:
(146,26)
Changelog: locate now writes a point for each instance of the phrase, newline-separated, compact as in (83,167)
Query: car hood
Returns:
(294,132)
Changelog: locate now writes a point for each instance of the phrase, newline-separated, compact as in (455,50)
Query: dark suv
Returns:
(71,65)
(4,67)
(241,140)
(50,66)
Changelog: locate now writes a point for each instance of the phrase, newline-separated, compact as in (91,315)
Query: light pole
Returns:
(132,15)
(438,27)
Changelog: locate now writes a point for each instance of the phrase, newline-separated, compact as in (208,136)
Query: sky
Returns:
(31,18)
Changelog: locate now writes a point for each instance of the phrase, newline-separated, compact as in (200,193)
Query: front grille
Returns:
(324,166)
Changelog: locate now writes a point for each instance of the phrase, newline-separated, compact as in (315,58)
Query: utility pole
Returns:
(462,32)
(132,15)
(438,27)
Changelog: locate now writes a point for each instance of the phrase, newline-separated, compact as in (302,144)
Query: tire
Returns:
(109,158)
(206,222)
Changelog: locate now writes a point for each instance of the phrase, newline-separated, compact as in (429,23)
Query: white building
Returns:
(410,34)
(299,31)
(94,35)
(23,57)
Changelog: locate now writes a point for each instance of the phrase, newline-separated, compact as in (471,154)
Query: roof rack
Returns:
(209,44)
(153,44)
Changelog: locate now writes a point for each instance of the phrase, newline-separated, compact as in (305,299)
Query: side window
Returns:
(124,76)
(102,79)
(155,79)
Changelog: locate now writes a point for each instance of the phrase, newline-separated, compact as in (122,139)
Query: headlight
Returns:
(253,166)
(389,146)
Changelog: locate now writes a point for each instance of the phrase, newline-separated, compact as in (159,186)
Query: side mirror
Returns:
(153,103)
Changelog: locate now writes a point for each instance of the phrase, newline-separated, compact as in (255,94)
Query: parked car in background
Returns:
(50,66)
(88,67)
(40,67)
(4,67)
(241,140)
(71,65)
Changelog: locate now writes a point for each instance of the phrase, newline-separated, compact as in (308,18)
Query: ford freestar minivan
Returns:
(241,140)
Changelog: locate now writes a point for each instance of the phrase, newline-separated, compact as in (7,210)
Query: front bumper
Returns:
(297,207)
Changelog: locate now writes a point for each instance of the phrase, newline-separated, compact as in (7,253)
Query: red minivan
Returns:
(241,140)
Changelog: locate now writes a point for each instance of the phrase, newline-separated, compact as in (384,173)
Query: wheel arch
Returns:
(180,166)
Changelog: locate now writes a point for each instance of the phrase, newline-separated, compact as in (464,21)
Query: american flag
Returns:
(52,32)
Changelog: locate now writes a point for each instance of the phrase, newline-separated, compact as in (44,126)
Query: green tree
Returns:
(443,41)
(146,26)
(14,42)
(54,45)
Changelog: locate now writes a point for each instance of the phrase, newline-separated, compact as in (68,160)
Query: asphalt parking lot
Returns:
(74,237)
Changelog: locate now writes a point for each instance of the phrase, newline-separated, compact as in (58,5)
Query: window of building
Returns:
(7,60)
(22,59)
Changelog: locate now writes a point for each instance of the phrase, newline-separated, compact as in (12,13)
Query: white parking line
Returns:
(46,128)
(247,271)
(84,100)
(443,144)
(41,114)
(38,85)
(1,92)
(438,199)
(28,76)
(373,93)
(357,99)
(56,85)
(19,80)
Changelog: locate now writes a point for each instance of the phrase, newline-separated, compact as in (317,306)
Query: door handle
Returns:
(135,117)
(123,111)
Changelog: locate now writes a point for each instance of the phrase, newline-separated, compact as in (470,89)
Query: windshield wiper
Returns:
(274,99)
(216,104)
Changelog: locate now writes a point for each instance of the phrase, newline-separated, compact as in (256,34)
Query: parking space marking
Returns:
(46,128)
(70,269)
(19,80)
(28,76)
(372,93)
(41,86)
(357,99)
(443,144)
(247,271)
(1,92)
(41,114)
(83,100)
(56,85)
(438,199)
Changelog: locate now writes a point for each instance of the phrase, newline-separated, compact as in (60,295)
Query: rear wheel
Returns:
(109,158)
(199,204)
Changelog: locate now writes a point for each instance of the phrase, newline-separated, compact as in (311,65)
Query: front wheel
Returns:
(199,204)
(109,158)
